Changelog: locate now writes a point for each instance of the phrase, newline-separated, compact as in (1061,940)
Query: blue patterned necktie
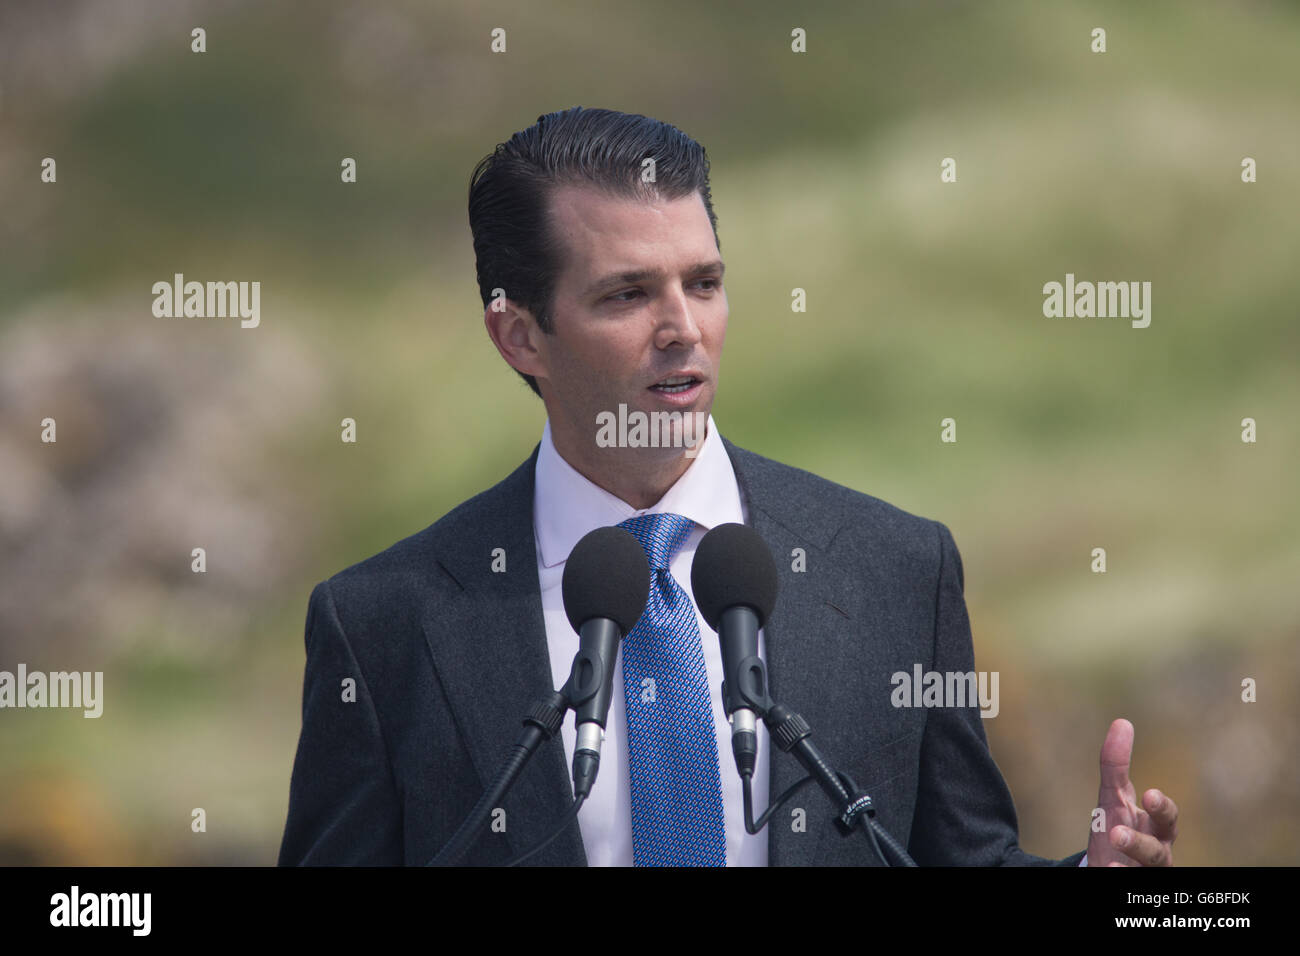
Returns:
(672,748)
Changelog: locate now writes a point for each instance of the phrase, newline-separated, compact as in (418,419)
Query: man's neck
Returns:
(629,474)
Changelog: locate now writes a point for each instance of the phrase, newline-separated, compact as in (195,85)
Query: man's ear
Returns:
(515,333)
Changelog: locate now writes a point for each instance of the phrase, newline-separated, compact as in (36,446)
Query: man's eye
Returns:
(711,285)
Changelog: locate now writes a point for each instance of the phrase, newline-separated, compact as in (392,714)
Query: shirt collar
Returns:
(566,505)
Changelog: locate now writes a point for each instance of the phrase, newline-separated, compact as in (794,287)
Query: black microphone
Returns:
(734,582)
(605,587)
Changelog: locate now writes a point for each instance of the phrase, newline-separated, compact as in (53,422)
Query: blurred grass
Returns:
(924,302)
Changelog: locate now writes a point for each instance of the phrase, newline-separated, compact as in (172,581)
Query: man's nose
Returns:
(677,323)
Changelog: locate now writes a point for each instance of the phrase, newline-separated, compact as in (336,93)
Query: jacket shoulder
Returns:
(417,565)
(799,497)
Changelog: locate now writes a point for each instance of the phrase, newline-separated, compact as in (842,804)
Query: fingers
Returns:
(1116,754)
(1143,848)
(1164,814)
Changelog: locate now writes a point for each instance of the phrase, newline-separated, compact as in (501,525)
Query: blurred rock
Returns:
(172,435)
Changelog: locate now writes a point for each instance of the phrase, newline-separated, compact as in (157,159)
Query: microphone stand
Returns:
(791,733)
(541,723)
(544,718)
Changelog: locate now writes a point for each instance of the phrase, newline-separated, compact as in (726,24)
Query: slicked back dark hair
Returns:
(514,247)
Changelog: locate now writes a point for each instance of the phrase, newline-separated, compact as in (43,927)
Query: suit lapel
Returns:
(489,649)
(805,640)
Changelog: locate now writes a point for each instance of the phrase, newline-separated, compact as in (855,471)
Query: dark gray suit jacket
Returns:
(447,656)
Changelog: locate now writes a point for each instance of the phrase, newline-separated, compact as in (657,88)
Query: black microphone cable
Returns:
(560,827)
(752,826)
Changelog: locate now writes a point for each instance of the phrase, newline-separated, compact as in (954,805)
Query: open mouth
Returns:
(675,384)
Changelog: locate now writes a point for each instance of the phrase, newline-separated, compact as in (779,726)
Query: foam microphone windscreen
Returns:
(606,575)
(733,567)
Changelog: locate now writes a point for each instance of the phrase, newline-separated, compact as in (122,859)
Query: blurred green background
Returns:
(924,302)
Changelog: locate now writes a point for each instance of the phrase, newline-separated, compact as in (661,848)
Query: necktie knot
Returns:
(661,535)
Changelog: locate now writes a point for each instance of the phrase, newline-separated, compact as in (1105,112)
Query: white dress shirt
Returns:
(566,506)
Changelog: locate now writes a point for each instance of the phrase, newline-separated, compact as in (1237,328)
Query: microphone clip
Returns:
(859,803)
(749,689)
(547,714)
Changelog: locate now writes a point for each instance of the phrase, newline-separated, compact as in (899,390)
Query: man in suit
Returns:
(603,291)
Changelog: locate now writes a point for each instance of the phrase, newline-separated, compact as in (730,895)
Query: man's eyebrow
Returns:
(641,275)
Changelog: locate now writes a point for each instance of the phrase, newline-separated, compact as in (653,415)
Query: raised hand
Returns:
(1133,835)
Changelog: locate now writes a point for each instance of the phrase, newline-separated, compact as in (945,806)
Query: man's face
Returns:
(639,300)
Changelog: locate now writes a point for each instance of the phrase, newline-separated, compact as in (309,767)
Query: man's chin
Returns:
(648,460)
